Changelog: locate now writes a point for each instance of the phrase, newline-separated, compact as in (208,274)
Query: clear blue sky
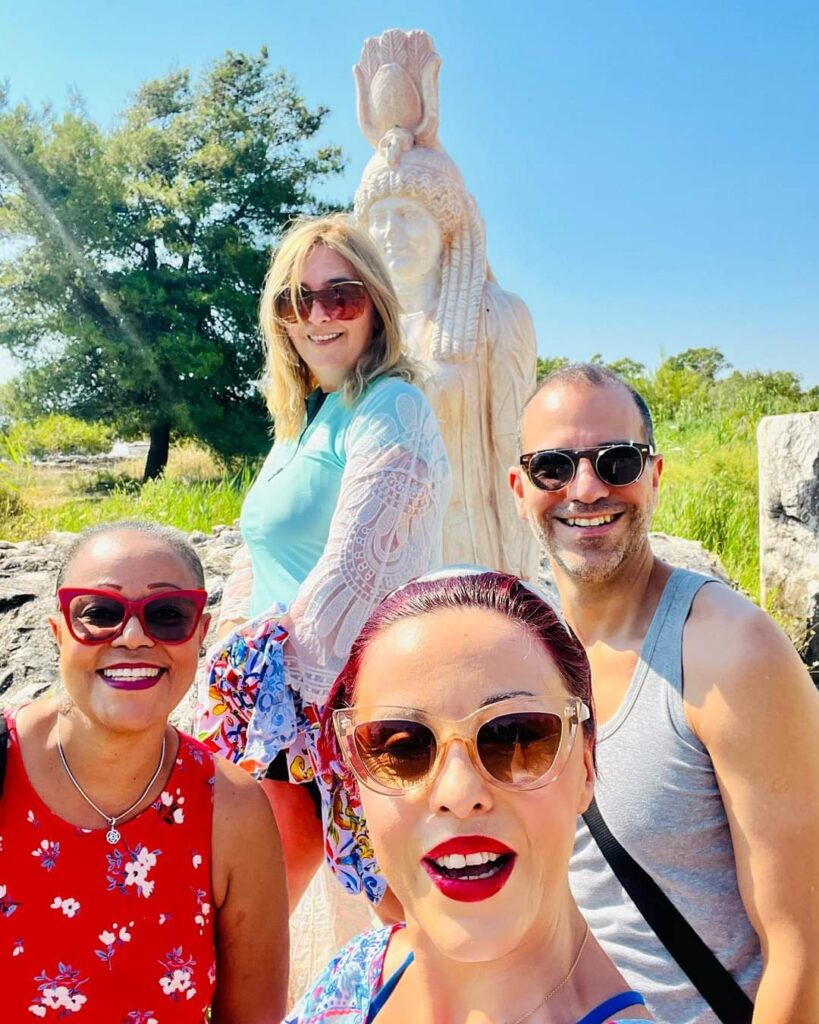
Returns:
(648,171)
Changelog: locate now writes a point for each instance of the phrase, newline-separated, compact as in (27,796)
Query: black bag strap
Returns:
(4,732)
(706,973)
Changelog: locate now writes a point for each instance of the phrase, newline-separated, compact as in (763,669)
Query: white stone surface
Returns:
(789,523)
(475,341)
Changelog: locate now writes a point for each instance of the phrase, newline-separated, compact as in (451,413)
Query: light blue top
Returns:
(287,512)
(347,458)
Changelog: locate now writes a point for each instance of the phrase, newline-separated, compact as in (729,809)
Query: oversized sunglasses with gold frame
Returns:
(519,743)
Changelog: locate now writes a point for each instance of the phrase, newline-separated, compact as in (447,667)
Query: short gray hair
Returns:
(174,539)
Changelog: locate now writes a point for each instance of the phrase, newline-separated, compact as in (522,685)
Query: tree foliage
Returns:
(134,258)
(695,386)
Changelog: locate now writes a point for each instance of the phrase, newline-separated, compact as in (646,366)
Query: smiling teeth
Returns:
(324,337)
(131,673)
(458,860)
(596,521)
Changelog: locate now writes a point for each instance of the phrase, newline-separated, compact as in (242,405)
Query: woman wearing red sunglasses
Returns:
(463,724)
(348,505)
(125,889)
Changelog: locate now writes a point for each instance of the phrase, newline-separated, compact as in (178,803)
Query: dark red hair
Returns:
(495,591)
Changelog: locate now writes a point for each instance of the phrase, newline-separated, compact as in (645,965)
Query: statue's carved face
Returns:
(408,237)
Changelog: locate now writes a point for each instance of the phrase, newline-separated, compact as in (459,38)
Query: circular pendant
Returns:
(112,836)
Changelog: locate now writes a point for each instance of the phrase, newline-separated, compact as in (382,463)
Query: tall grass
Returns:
(188,505)
(711,496)
(52,435)
(706,428)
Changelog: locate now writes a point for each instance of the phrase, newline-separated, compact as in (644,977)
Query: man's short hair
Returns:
(597,376)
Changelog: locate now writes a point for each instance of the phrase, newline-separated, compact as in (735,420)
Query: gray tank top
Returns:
(658,793)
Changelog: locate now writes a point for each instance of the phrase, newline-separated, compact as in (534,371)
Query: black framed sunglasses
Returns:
(342,300)
(616,463)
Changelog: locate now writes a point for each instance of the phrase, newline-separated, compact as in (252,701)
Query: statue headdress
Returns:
(397,87)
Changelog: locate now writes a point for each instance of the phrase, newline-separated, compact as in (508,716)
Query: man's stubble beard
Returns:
(603,564)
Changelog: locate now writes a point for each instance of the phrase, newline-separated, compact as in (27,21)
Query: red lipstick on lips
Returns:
(461,884)
(132,682)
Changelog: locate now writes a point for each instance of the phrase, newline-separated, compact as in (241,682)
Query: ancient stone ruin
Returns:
(789,526)
(474,340)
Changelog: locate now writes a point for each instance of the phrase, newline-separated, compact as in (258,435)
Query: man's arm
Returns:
(751,702)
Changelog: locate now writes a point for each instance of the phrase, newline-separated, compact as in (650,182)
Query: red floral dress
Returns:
(106,934)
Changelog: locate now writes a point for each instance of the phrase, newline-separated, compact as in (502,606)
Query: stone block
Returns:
(789,526)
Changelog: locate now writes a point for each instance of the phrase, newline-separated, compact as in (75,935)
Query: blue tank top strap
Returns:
(386,990)
(600,1014)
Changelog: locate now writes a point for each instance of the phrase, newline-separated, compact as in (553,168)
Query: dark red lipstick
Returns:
(151,674)
(446,864)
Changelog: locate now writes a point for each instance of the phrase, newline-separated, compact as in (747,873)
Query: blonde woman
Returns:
(348,505)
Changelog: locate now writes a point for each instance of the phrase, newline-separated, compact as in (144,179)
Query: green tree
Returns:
(546,364)
(134,258)
(707,362)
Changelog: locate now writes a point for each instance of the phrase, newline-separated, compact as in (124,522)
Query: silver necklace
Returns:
(557,988)
(112,835)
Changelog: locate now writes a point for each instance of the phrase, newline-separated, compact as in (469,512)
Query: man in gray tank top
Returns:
(708,743)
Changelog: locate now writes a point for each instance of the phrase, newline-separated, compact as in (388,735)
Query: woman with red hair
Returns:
(463,725)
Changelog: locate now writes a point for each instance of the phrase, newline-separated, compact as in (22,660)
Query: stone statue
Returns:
(475,341)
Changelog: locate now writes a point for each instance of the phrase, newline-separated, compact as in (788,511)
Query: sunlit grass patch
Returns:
(196,505)
(709,493)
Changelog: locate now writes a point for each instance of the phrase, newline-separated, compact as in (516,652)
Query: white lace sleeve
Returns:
(238,589)
(386,529)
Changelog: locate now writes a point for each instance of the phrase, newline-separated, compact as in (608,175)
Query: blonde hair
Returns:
(288,380)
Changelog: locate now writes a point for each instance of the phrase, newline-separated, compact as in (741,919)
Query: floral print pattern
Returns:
(343,992)
(247,713)
(94,932)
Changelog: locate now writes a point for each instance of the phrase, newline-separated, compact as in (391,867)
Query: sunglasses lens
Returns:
(620,465)
(395,753)
(345,301)
(550,470)
(285,309)
(94,617)
(171,619)
(519,749)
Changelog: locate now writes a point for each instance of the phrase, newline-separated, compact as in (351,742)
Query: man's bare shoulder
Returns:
(732,649)
(717,605)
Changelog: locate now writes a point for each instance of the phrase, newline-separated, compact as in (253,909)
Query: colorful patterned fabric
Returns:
(247,713)
(343,992)
(102,933)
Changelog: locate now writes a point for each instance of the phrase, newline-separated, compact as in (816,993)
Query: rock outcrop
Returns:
(789,526)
